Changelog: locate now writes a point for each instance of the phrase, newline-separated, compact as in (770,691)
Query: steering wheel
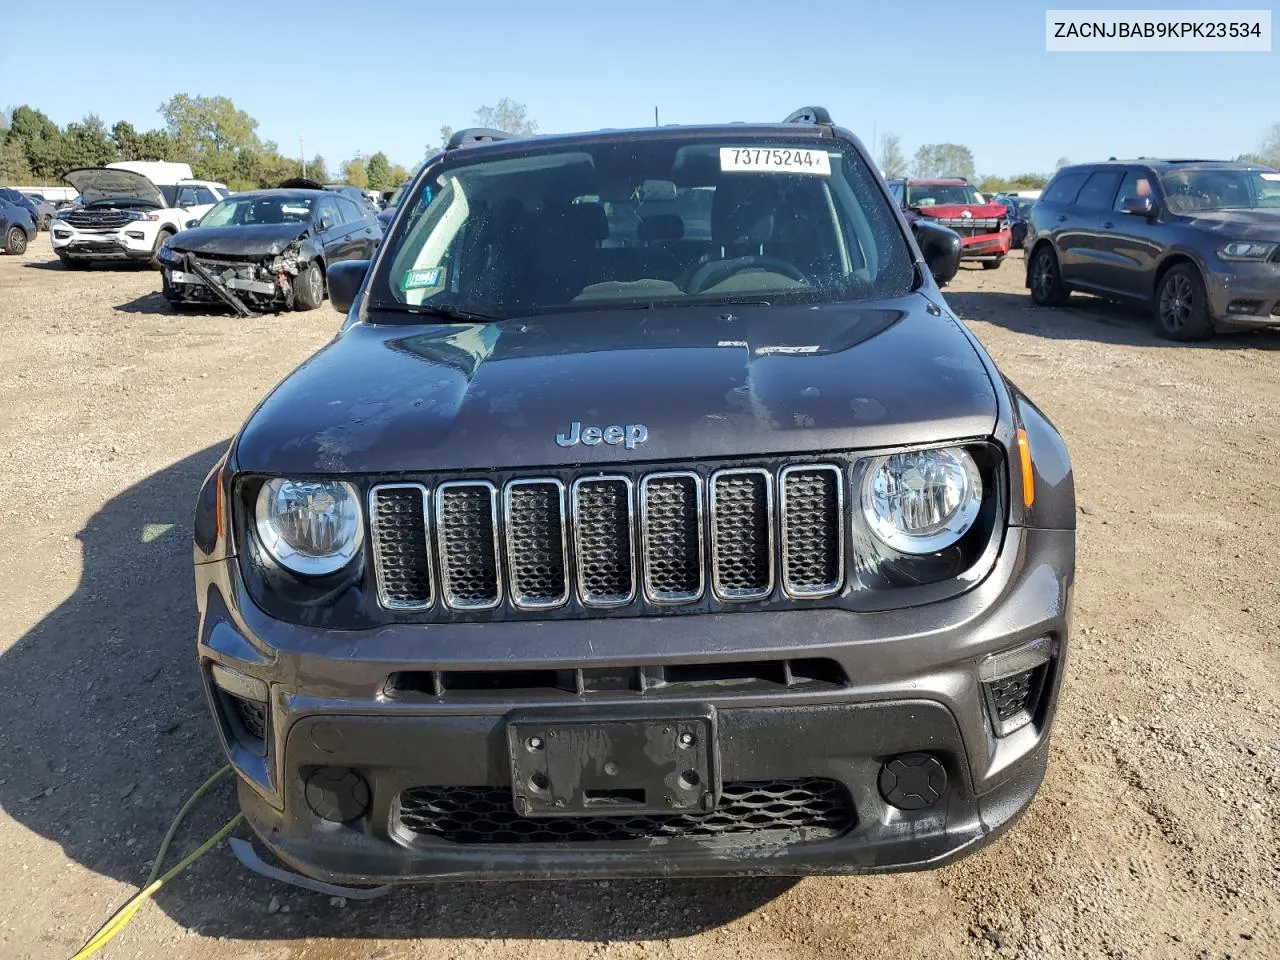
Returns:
(717,271)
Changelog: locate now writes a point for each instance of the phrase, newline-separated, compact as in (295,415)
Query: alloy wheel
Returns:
(1176,301)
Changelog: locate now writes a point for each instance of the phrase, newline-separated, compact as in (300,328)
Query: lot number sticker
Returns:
(775,160)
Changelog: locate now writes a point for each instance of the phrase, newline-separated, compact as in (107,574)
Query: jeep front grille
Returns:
(742,534)
(602,541)
(401,546)
(812,531)
(467,514)
(671,537)
(664,538)
(537,553)
(759,811)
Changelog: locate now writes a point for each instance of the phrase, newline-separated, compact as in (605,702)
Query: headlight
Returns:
(1246,250)
(922,501)
(312,527)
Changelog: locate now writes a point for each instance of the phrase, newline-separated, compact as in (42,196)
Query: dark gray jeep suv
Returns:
(650,515)
(1197,240)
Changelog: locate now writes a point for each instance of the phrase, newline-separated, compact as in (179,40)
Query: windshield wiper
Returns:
(442,311)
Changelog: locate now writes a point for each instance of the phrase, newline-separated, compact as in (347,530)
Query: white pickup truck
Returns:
(126,214)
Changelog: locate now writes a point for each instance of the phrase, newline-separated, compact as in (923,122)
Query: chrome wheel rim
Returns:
(317,290)
(1176,301)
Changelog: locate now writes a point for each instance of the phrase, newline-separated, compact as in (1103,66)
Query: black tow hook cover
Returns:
(913,781)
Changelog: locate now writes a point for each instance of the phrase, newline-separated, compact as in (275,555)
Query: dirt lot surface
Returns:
(1155,834)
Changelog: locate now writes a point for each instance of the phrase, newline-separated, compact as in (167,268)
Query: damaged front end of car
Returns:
(248,287)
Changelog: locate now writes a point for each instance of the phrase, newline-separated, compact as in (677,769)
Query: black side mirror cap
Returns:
(345,280)
(192,223)
(941,248)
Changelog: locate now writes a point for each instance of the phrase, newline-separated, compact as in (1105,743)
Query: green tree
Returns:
(87,144)
(378,172)
(13,162)
(126,139)
(41,143)
(318,170)
(398,176)
(211,131)
(155,145)
(506,115)
(353,173)
(944,160)
(892,162)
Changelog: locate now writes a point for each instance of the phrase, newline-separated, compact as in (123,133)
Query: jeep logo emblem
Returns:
(629,436)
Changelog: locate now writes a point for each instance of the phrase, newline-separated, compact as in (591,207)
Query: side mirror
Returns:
(1138,206)
(345,279)
(941,248)
(192,223)
(324,224)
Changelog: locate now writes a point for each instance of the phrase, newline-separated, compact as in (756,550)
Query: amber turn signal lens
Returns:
(1028,478)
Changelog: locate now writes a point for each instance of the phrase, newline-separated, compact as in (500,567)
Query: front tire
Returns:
(161,238)
(992,264)
(15,241)
(1047,289)
(1182,308)
(308,287)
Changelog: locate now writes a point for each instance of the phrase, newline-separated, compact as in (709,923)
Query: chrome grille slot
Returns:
(812,509)
(537,558)
(742,534)
(401,547)
(467,522)
(602,541)
(671,537)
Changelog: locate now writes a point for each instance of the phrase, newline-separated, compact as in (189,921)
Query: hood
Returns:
(1263,224)
(704,382)
(105,183)
(979,211)
(245,240)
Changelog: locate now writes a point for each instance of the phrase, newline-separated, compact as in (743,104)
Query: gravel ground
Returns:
(1155,834)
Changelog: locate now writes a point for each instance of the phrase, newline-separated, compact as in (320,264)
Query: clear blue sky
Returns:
(386,74)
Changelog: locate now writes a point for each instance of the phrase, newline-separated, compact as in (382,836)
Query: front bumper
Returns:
(989,246)
(122,244)
(1244,294)
(913,687)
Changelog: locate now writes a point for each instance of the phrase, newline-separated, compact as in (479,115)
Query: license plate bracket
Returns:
(618,764)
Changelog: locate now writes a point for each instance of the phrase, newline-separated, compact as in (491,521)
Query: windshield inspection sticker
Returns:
(418,279)
(775,160)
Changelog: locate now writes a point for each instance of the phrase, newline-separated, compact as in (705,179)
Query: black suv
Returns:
(650,515)
(1198,240)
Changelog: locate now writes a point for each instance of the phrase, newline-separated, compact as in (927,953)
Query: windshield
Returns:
(933,194)
(1188,190)
(646,222)
(247,210)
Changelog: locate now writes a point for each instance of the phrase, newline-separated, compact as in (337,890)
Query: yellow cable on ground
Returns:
(155,881)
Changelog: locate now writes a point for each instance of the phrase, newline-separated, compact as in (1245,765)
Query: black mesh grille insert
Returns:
(820,807)
(535,544)
(812,531)
(1013,695)
(400,547)
(672,537)
(466,521)
(602,536)
(742,532)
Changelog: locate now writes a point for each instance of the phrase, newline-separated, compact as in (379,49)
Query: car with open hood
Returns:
(955,203)
(124,215)
(267,249)
(651,514)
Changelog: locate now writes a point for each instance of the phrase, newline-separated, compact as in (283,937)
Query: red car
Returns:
(954,203)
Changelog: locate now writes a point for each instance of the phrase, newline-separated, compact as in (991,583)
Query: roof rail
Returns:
(812,115)
(474,135)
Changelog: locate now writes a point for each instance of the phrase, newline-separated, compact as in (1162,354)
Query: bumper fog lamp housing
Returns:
(1012,681)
